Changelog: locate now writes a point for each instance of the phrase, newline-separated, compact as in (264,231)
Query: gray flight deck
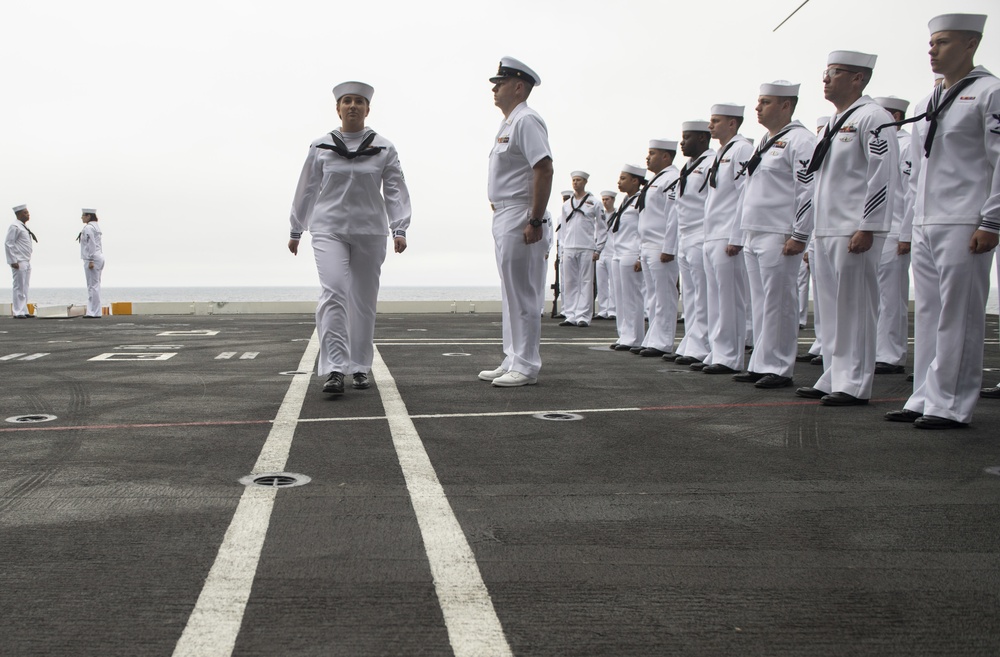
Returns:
(683,514)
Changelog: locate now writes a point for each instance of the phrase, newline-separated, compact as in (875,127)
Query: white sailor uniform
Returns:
(578,222)
(521,142)
(725,275)
(777,204)
(92,251)
(18,248)
(660,277)
(853,191)
(349,205)
(894,273)
(956,191)
(688,214)
(628,247)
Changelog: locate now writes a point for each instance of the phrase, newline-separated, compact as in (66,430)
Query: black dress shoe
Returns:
(909,378)
(623,347)
(361,381)
(935,422)
(334,384)
(886,368)
(614,347)
(697,366)
(567,323)
(816,360)
(651,352)
(685,360)
(669,357)
(841,399)
(772,381)
(809,393)
(636,350)
(804,358)
(990,393)
(905,415)
(718,368)
(582,324)
(748,377)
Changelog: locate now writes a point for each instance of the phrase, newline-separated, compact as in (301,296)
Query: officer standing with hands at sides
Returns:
(92,254)
(17,247)
(856,169)
(955,183)
(351,193)
(604,273)
(519,185)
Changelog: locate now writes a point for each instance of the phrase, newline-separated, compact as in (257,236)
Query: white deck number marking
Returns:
(225,355)
(193,333)
(250,355)
(149,355)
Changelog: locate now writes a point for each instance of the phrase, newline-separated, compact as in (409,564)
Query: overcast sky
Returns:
(186,124)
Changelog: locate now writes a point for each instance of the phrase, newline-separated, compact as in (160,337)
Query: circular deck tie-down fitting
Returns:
(557,417)
(30,419)
(275,480)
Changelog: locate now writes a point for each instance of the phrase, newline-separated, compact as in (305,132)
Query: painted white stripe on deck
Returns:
(215,622)
(35,356)
(249,355)
(225,355)
(473,627)
(10,356)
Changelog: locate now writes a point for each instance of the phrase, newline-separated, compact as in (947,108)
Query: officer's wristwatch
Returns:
(535,223)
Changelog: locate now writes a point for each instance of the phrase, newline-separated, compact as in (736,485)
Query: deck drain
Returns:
(456,353)
(557,417)
(30,419)
(294,372)
(276,480)
(995,470)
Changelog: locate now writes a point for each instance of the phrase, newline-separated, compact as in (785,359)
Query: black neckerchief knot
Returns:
(823,146)
(640,204)
(616,218)
(935,108)
(340,148)
(713,171)
(687,171)
(575,208)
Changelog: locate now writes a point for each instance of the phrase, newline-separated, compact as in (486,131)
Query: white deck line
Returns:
(215,621)
(473,627)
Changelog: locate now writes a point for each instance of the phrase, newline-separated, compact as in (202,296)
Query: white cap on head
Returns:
(779,88)
(513,68)
(893,103)
(694,126)
(89,211)
(663,144)
(851,58)
(579,174)
(366,91)
(566,192)
(728,109)
(635,171)
(609,193)
(18,208)
(822,121)
(963,22)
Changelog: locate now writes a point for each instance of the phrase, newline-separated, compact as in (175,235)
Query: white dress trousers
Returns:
(848,296)
(774,294)
(21,282)
(893,305)
(93,277)
(605,287)
(691,263)
(662,298)
(349,267)
(578,284)
(950,288)
(522,284)
(803,283)
(816,348)
(725,285)
(631,310)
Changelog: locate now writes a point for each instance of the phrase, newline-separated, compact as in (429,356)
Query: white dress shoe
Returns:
(489,375)
(514,379)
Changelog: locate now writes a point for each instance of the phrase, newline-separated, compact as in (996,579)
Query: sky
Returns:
(186,124)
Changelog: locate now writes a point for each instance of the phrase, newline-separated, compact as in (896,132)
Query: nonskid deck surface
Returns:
(679,513)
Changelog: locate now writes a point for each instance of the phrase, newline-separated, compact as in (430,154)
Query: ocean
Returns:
(64,296)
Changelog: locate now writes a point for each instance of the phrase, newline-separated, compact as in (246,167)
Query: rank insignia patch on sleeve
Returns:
(878,146)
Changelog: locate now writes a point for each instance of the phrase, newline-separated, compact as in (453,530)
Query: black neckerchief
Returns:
(686,171)
(640,205)
(823,146)
(935,108)
(29,232)
(765,146)
(340,148)
(574,208)
(713,171)
(616,218)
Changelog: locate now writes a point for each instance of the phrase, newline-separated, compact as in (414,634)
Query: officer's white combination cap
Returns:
(728,109)
(893,103)
(366,91)
(513,68)
(963,22)
(579,174)
(663,144)
(634,170)
(779,88)
(694,126)
(822,121)
(609,193)
(18,208)
(89,211)
(851,58)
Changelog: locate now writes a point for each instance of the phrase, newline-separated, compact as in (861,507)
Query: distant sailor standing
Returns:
(628,248)
(581,213)
(17,248)
(92,254)
(351,193)
(605,248)
(519,185)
